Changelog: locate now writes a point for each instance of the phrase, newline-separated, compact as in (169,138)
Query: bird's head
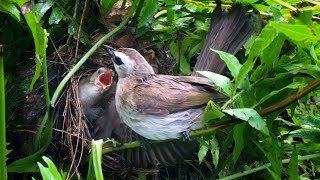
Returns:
(128,61)
(102,78)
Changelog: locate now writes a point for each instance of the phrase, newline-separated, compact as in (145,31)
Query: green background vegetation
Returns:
(278,63)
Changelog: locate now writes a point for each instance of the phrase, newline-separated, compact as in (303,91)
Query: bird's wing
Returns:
(161,94)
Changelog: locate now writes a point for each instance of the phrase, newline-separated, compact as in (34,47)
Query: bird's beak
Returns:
(110,50)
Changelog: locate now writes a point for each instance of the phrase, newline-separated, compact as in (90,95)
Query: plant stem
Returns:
(64,81)
(285,161)
(3,151)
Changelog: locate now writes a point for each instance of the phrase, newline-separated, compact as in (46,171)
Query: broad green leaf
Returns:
(44,172)
(51,172)
(308,134)
(72,28)
(309,120)
(151,8)
(106,5)
(43,7)
(231,61)
(297,84)
(262,41)
(310,69)
(203,152)
(293,165)
(212,112)
(238,141)
(270,54)
(215,152)
(55,16)
(9,8)
(259,72)
(250,115)
(296,32)
(221,81)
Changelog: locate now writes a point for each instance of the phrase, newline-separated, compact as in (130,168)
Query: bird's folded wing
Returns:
(161,95)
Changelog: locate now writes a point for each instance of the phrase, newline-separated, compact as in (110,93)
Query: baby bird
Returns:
(91,90)
(156,106)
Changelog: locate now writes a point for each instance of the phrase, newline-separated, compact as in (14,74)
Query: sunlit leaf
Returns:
(221,81)
(231,61)
(296,32)
(9,8)
(250,115)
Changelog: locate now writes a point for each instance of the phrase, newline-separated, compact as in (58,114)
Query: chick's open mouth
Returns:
(105,79)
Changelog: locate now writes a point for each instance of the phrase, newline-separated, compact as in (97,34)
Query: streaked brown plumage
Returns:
(107,124)
(158,106)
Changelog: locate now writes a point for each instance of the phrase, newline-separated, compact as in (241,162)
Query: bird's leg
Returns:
(185,136)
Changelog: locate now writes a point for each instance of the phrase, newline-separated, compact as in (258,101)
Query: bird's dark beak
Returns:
(110,50)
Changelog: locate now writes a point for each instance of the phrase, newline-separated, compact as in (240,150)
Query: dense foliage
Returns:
(272,82)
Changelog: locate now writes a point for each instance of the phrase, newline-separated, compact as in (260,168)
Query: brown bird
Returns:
(158,106)
(96,94)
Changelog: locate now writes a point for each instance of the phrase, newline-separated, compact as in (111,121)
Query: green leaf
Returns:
(308,134)
(43,7)
(250,115)
(296,32)
(231,61)
(9,8)
(212,112)
(310,69)
(204,148)
(55,16)
(51,172)
(309,120)
(106,5)
(293,165)
(72,28)
(221,81)
(297,84)
(262,41)
(271,54)
(150,9)
(215,152)
(238,141)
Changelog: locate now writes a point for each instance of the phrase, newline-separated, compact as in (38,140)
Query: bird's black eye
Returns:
(117,60)
(101,71)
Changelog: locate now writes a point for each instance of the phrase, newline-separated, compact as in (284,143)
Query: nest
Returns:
(71,137)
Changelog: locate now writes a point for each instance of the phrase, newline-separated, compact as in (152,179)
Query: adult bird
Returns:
(158,106)
(96,95)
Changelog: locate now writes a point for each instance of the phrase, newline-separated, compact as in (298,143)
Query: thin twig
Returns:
(80,27)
